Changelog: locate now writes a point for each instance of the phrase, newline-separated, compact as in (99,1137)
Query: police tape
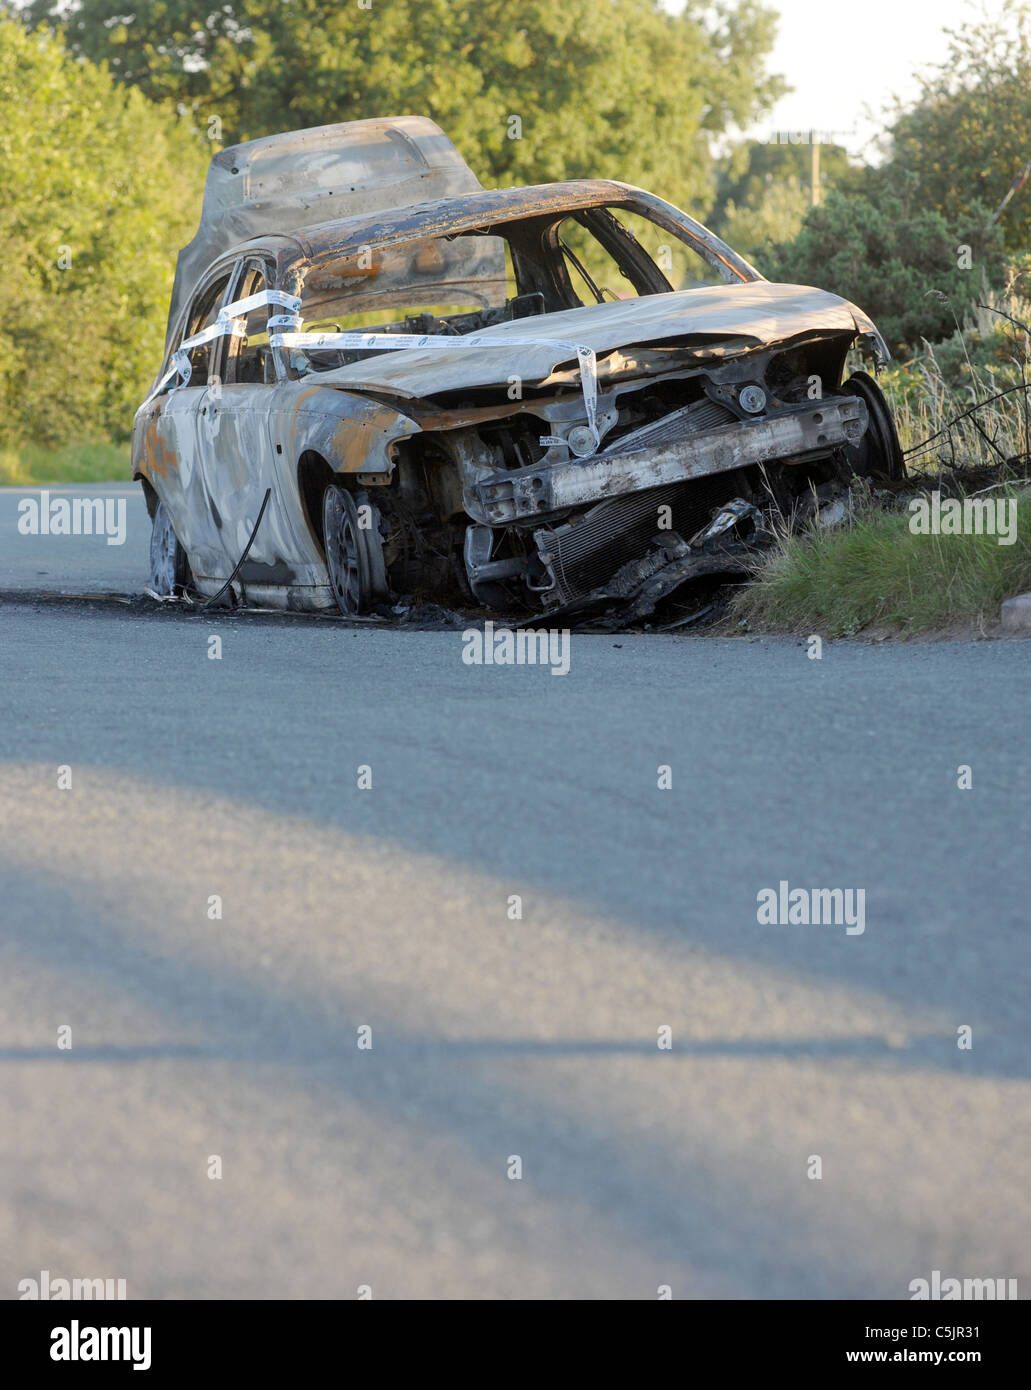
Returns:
(229,323)
(585,356)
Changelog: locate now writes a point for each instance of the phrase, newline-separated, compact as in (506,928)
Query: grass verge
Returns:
(875,573)
(35,465)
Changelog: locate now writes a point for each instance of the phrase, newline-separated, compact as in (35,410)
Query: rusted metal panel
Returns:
(352,433)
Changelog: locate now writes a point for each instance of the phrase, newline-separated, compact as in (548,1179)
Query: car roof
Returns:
(437,216)
(442,216)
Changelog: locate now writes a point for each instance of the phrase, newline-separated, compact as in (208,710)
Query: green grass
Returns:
(874,572)
(36,464)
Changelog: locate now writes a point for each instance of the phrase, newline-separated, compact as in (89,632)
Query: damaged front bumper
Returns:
(795,434)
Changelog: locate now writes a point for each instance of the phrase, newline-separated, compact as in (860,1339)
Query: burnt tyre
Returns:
(878,455)
(354,550)
(169,567)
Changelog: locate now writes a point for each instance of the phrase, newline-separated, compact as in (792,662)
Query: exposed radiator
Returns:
(585,552)
(688,420)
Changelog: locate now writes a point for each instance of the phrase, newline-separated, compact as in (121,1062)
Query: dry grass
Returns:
(990,356)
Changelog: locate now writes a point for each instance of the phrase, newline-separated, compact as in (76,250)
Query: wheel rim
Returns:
(344,552)
(164,553)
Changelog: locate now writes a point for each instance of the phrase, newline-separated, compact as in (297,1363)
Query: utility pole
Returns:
(814,138)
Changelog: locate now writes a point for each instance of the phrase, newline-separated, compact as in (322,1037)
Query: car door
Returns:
(179,467)
(241,443)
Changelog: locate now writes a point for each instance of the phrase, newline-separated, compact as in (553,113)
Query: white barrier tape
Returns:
(258,301)
(585,356)
(229,323)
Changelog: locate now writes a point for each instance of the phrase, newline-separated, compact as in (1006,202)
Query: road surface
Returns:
(203,1043)
(73,564)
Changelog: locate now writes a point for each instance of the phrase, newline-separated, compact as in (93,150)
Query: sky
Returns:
(841,59)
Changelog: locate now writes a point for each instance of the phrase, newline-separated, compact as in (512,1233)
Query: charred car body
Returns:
(381,378)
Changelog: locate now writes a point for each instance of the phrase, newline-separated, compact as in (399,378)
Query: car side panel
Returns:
(240,432)
(212,452)
(168,451)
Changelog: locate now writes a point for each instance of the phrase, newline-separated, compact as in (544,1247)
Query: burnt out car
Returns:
(382,379)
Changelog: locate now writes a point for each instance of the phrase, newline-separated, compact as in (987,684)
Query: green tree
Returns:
(910,267)
(101,189)
(968,136)
(617,88)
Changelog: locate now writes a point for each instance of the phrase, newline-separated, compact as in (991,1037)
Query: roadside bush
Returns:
(102,187)
(904,264)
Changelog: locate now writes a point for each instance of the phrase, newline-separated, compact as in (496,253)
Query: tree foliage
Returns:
(890,237)
(762,222)
(968,136)
(617,88)
(756,169)
(911,268)
(101,188)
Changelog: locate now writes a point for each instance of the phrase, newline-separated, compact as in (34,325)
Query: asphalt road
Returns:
(194,1036)
(74,564)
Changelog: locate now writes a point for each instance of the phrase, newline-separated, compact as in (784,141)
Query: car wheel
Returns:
(354,553)
(878,454)
(169,567)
